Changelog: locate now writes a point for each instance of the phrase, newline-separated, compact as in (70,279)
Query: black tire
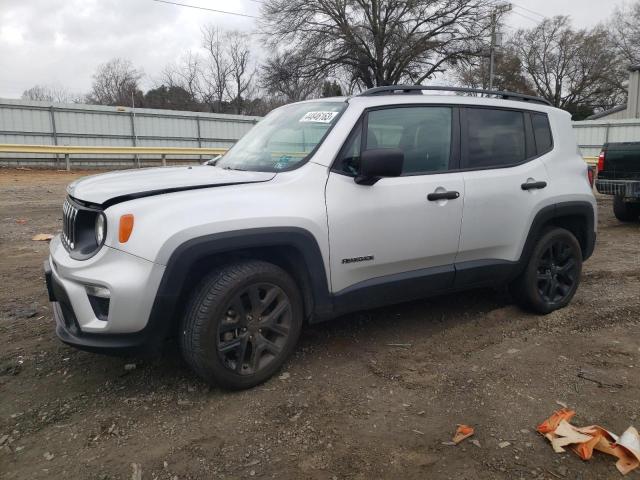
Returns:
(625,211)
(226,336)
(552,274)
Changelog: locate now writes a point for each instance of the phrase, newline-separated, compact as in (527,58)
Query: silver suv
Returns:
(325,207)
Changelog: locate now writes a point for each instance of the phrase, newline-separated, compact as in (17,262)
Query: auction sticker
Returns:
(319,117)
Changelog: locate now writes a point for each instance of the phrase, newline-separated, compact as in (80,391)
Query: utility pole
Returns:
(133,128)
(499,9)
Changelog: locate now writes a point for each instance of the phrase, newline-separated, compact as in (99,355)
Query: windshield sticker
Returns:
(319,117)
(283,162)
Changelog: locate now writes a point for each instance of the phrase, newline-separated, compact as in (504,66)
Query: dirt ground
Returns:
(370,395)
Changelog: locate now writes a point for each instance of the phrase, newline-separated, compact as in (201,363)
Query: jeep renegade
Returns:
(325,207)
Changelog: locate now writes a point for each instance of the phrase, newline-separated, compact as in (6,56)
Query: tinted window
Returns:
(494,137)
(541,132)
(422,133)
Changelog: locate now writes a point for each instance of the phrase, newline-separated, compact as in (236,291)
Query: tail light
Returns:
(590,175)
(601,159)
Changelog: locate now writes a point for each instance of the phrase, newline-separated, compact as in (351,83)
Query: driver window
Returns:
(422,133)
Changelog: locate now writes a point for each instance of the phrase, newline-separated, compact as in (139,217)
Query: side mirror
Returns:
(378,163)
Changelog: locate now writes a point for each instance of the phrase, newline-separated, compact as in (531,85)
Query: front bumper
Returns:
(132,283)
(623,188)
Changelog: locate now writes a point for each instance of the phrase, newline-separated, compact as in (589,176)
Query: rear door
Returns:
(505,181)
(390,232)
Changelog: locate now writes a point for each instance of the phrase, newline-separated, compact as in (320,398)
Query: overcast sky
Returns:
(61,42)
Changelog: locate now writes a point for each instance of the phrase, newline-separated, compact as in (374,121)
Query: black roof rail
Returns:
(391,89)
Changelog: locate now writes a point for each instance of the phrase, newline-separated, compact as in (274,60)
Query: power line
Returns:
(517,5)
(529,10)
(528,18)
(204,8)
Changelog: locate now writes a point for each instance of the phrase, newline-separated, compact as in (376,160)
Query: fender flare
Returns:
(548,214)
(186,255)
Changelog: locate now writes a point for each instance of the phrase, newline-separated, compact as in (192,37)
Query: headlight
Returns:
(101,228)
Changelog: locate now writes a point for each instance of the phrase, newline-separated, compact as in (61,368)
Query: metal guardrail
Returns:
(68,150)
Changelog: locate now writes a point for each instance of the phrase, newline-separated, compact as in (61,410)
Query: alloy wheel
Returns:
(557,272)
(254,329)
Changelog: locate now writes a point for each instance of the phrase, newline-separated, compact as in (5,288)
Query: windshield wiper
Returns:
(237,169)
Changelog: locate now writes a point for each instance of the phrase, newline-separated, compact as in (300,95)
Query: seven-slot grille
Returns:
(69,215)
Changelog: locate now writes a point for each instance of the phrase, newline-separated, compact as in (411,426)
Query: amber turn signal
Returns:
(126,227)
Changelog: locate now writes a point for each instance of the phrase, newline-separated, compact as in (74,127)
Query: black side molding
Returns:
(582,210)
(396,288)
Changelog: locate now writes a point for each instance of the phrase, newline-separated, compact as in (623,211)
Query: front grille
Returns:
(69,216)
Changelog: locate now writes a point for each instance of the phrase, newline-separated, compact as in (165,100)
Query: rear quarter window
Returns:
(542,132)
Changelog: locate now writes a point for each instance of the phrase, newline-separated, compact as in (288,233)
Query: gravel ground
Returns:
(370,395)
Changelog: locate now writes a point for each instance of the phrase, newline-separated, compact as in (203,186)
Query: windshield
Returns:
(284,138)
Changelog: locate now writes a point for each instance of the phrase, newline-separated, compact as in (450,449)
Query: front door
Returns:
(391,233)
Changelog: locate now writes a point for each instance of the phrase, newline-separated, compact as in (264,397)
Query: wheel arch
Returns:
(577,217)
(295,250)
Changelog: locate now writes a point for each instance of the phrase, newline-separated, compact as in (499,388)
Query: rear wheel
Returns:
(243,323)
(552,274)
(625,211)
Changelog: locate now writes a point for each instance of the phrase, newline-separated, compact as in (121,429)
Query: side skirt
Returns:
(407,286)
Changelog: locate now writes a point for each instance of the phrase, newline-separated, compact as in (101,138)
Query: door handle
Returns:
(435,196)
(533,185)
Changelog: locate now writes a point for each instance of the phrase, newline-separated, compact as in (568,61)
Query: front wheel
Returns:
(552,274)
(243,323)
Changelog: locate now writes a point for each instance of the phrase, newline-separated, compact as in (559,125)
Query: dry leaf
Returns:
(42,237)
(462,432)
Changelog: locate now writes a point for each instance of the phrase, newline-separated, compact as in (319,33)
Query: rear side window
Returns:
(495,138)
(541,132)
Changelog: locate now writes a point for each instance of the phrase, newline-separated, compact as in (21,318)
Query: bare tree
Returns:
(240,70)
(379,42)
(186,74)
(115,82)
(217,70)
(284,75)
(625,28)
(51,93)
(570,68)
(508,75)
(222,78)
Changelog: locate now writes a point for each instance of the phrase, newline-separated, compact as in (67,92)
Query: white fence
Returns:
(55,124)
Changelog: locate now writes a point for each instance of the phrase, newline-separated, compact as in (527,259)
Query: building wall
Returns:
(592,134)
(46,123)
(619,115)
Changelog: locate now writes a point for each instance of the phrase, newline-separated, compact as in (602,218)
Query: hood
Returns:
(110,188)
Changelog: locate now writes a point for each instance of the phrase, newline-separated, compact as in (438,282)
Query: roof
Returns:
(606,113)
(413,89)
(370,101)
